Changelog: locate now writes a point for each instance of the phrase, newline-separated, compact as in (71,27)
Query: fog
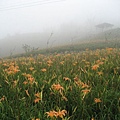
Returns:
(48,23)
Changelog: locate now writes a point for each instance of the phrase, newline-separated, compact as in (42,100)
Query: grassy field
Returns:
(81,85)
(75,47)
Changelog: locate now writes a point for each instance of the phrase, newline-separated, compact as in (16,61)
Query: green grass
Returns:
(83,77)
(75,47)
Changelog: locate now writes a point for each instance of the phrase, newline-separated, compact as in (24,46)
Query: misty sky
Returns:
(68,20)
(52,16)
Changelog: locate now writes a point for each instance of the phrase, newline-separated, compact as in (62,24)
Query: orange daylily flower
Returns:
(62,62)
(5,64)
(51,114)
(61,113)
(57,87)
(49,62)
(95,67)
(86,91)
(109,49)
(99,62)
(37,95)
(84,85)
(26,75)
(31,68)
(44,70)
(25,82)
(76,79)
(31,79)
(100,73)
(97,100)
(16,70)
(37,100)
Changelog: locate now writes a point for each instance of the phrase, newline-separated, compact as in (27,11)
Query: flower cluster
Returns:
(56,114)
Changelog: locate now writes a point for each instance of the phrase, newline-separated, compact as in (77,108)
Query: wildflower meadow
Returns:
(81,85)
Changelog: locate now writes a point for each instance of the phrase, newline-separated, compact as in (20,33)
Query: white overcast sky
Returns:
(51,16)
